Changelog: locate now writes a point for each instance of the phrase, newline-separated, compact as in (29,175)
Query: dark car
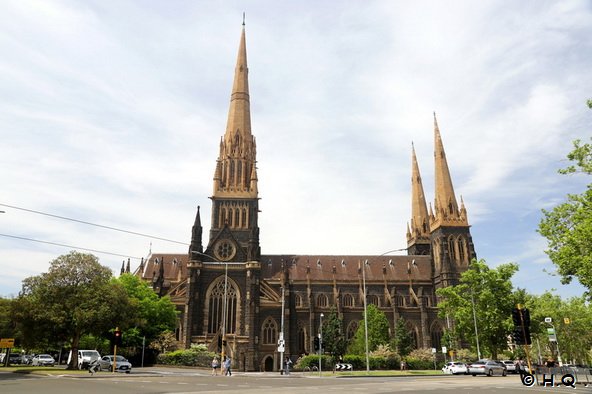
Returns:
(15,359)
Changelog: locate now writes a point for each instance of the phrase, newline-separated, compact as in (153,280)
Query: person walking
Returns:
(227,367)
(215,366)
(288,364)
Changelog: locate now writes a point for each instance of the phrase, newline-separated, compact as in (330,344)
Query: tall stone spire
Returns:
(234,233)
(446,210)
(418,231)
(235,173)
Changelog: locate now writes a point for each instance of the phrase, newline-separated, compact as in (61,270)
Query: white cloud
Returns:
(112,112)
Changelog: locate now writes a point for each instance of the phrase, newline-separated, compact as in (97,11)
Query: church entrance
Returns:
(268,364)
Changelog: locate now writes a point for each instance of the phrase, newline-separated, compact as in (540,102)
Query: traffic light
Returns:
(117,338)
(316,344)
(521,333)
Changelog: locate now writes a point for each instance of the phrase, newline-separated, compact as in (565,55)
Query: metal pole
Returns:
(557,342)
(321,345)
(282,333)
(475,322)
(143,347)
(365,317)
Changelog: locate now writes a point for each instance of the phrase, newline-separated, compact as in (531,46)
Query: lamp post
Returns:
(225,301)
(365,317)
(549,321)
(320,344)
(475,323)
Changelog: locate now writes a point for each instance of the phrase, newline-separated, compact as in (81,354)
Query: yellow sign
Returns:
(6,342)
(566,320)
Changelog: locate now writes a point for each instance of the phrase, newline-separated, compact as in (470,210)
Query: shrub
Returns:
(420,359)
(196,356)
(312,360)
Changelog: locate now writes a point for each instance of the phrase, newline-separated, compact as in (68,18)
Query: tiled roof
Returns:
(311,267)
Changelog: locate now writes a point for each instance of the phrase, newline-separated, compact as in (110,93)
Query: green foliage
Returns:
(402,340)
(568,226)
(154,314)
(196,356)
(75,297)
(465,355)
(494,298)
(378,332)
(334,341)
(164,342)
(422,358)
(7,329)
(575,338)
(312,360)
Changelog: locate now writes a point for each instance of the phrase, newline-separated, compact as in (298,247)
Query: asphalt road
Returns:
(181,381)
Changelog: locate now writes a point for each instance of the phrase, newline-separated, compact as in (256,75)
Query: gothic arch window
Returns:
(239,170)
(436,335)
(414,334)
(269,331)
(451,248)
(216,310)
(352,327)
(348,300)
(301,345)
(462,250)
(322,301)
(237,217)
(231,181)
(244,222)
(373,299)
(298,301)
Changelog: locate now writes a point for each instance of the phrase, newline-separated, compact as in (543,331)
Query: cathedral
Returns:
(231,297)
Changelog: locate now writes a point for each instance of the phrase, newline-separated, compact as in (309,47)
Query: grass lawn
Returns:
(42,370)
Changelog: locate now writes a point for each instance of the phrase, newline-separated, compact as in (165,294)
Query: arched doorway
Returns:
(268,364)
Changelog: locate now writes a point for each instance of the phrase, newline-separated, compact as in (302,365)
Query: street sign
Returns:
(444,349)
(434,350)
(6,342)
(281,345)
(548,320)
(344,367)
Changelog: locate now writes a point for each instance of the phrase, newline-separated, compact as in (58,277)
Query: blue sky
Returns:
(112,112)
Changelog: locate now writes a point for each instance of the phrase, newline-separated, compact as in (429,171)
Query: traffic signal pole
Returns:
(524,335)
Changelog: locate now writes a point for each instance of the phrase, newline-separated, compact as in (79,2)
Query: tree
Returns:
(402,341)
(568,226)
(493,296)
(154,315)
(573,334)
(334,341)
(75,297)
(6,325)
(378,332)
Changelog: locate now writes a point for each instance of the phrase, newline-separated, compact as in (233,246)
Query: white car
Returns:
(455,368)
(121,364)
(43,360)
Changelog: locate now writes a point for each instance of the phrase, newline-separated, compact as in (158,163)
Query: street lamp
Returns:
(475,323)
(549,321)
(225,302)
(365,317)
(320,344)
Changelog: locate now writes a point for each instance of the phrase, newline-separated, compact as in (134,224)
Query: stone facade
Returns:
(230,277)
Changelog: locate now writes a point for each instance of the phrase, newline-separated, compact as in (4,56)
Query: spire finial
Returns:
(243,19)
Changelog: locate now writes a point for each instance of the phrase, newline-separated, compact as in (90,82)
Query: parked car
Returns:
(85,357)
(455,368)
(28,359)
(510,366)
(43,360)
(487,367)
(121,364)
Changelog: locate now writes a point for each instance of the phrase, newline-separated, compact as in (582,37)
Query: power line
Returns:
(69,246)
(93,224)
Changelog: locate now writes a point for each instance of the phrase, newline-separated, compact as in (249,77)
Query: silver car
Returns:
(43,360)
(121,364)
(487,367)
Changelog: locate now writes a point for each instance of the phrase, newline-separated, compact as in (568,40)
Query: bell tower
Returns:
(452,245)
(234,233)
